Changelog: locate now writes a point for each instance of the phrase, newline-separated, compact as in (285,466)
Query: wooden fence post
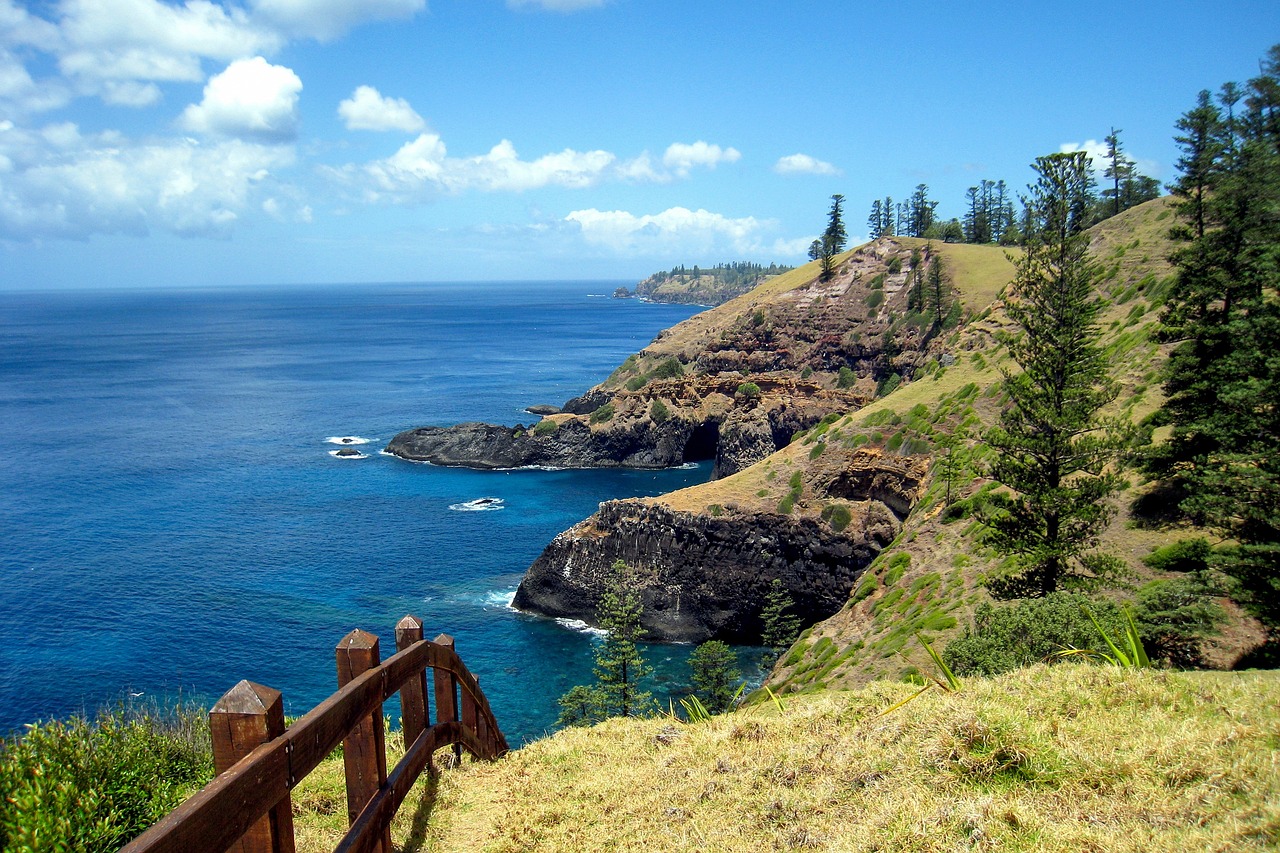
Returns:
(247,716)
(364,754)
(446,692)
(413,695)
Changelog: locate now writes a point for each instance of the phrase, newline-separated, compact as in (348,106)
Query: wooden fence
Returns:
(247,808)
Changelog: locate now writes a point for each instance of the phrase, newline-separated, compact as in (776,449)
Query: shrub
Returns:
(888,385)
(1185,555)
(806,372)
(92,786)
(1173,616)
(635,383)
(750,390)
(874,298)
(845,378)
(669,369)
(895,265)
(604,414)
(838,516)
(895,567)
(1005,638)
(546,427)
(658,412)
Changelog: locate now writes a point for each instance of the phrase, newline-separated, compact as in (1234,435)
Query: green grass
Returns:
(1055,759)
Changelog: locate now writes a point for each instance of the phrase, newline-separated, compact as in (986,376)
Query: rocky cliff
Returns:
(733,384)
(704,574)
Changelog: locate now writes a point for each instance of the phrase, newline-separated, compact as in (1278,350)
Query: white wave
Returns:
(479,505)
(500,598)
(348,439)
(581,627)
(338,454)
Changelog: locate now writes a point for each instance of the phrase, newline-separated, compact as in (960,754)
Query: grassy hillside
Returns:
(1068,758)
(932,578)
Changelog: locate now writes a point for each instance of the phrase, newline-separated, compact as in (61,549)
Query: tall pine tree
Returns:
(1052,447)
(1221,463)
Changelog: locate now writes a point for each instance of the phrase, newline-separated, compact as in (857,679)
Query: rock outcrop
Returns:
(705,575)
(732,384)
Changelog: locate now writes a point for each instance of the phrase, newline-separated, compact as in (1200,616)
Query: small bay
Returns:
(175,519)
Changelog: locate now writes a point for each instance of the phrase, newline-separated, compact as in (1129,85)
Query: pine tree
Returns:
(875,220)
(935,292)
(1119,169)
(833,239)
(1221,463)
(778,627)
(619,666)
(715,675)
(1052,447)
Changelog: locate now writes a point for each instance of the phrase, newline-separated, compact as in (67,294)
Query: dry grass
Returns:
(1064,759)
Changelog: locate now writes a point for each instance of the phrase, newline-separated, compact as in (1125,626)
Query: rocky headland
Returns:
(733,384)
(704,572)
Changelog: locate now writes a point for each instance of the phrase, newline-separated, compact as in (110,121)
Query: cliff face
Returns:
(705,575)
(733,384)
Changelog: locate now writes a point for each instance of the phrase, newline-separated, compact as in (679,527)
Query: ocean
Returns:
(173,518)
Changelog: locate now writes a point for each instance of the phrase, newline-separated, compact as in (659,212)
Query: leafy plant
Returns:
(1132,656)
(658,412)
(93,785)
(749,390)
(546,427)
(604,414)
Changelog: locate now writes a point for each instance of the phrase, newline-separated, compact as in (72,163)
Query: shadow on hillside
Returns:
(417,838)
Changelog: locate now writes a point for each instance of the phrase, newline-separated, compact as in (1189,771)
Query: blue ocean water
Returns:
(172,519)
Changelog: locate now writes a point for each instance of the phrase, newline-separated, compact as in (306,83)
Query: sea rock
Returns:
(542,409)
(573,444)
(701,576)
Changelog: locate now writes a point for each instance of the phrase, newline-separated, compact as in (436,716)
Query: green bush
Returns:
(1185,555)
(669,369)
(888,385)
(546,427)
(895,567)
(845,378)
(806,372)
(838,516)
(874,298)
(1172,617)
(604,414)
(92,786)
(658,412)
(1005,638)
(635,383)
(750,390)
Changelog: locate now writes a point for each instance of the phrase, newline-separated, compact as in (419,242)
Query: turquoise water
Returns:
(174,521)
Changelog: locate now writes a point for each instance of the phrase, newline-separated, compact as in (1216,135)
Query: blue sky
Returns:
(158,144)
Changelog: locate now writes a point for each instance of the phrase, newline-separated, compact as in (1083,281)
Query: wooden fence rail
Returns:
(247,807)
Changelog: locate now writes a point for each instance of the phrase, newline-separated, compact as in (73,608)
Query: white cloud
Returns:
(556,5)
(682,157)
(676,229)
(153,41)
(1097,152)
(367,109)
(17,26)
(19,93)
(422,169)
(328,19)
(803,164)
(62,184)
(252,98)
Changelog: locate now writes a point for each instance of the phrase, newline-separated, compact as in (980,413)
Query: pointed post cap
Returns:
(247,698)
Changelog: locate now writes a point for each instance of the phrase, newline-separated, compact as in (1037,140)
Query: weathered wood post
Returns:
(413,695)
(364,754)
(247,716)
(446,692)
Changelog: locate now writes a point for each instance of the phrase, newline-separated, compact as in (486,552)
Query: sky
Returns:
(155,144)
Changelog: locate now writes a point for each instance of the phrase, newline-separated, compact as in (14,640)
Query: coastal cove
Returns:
(178,515)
